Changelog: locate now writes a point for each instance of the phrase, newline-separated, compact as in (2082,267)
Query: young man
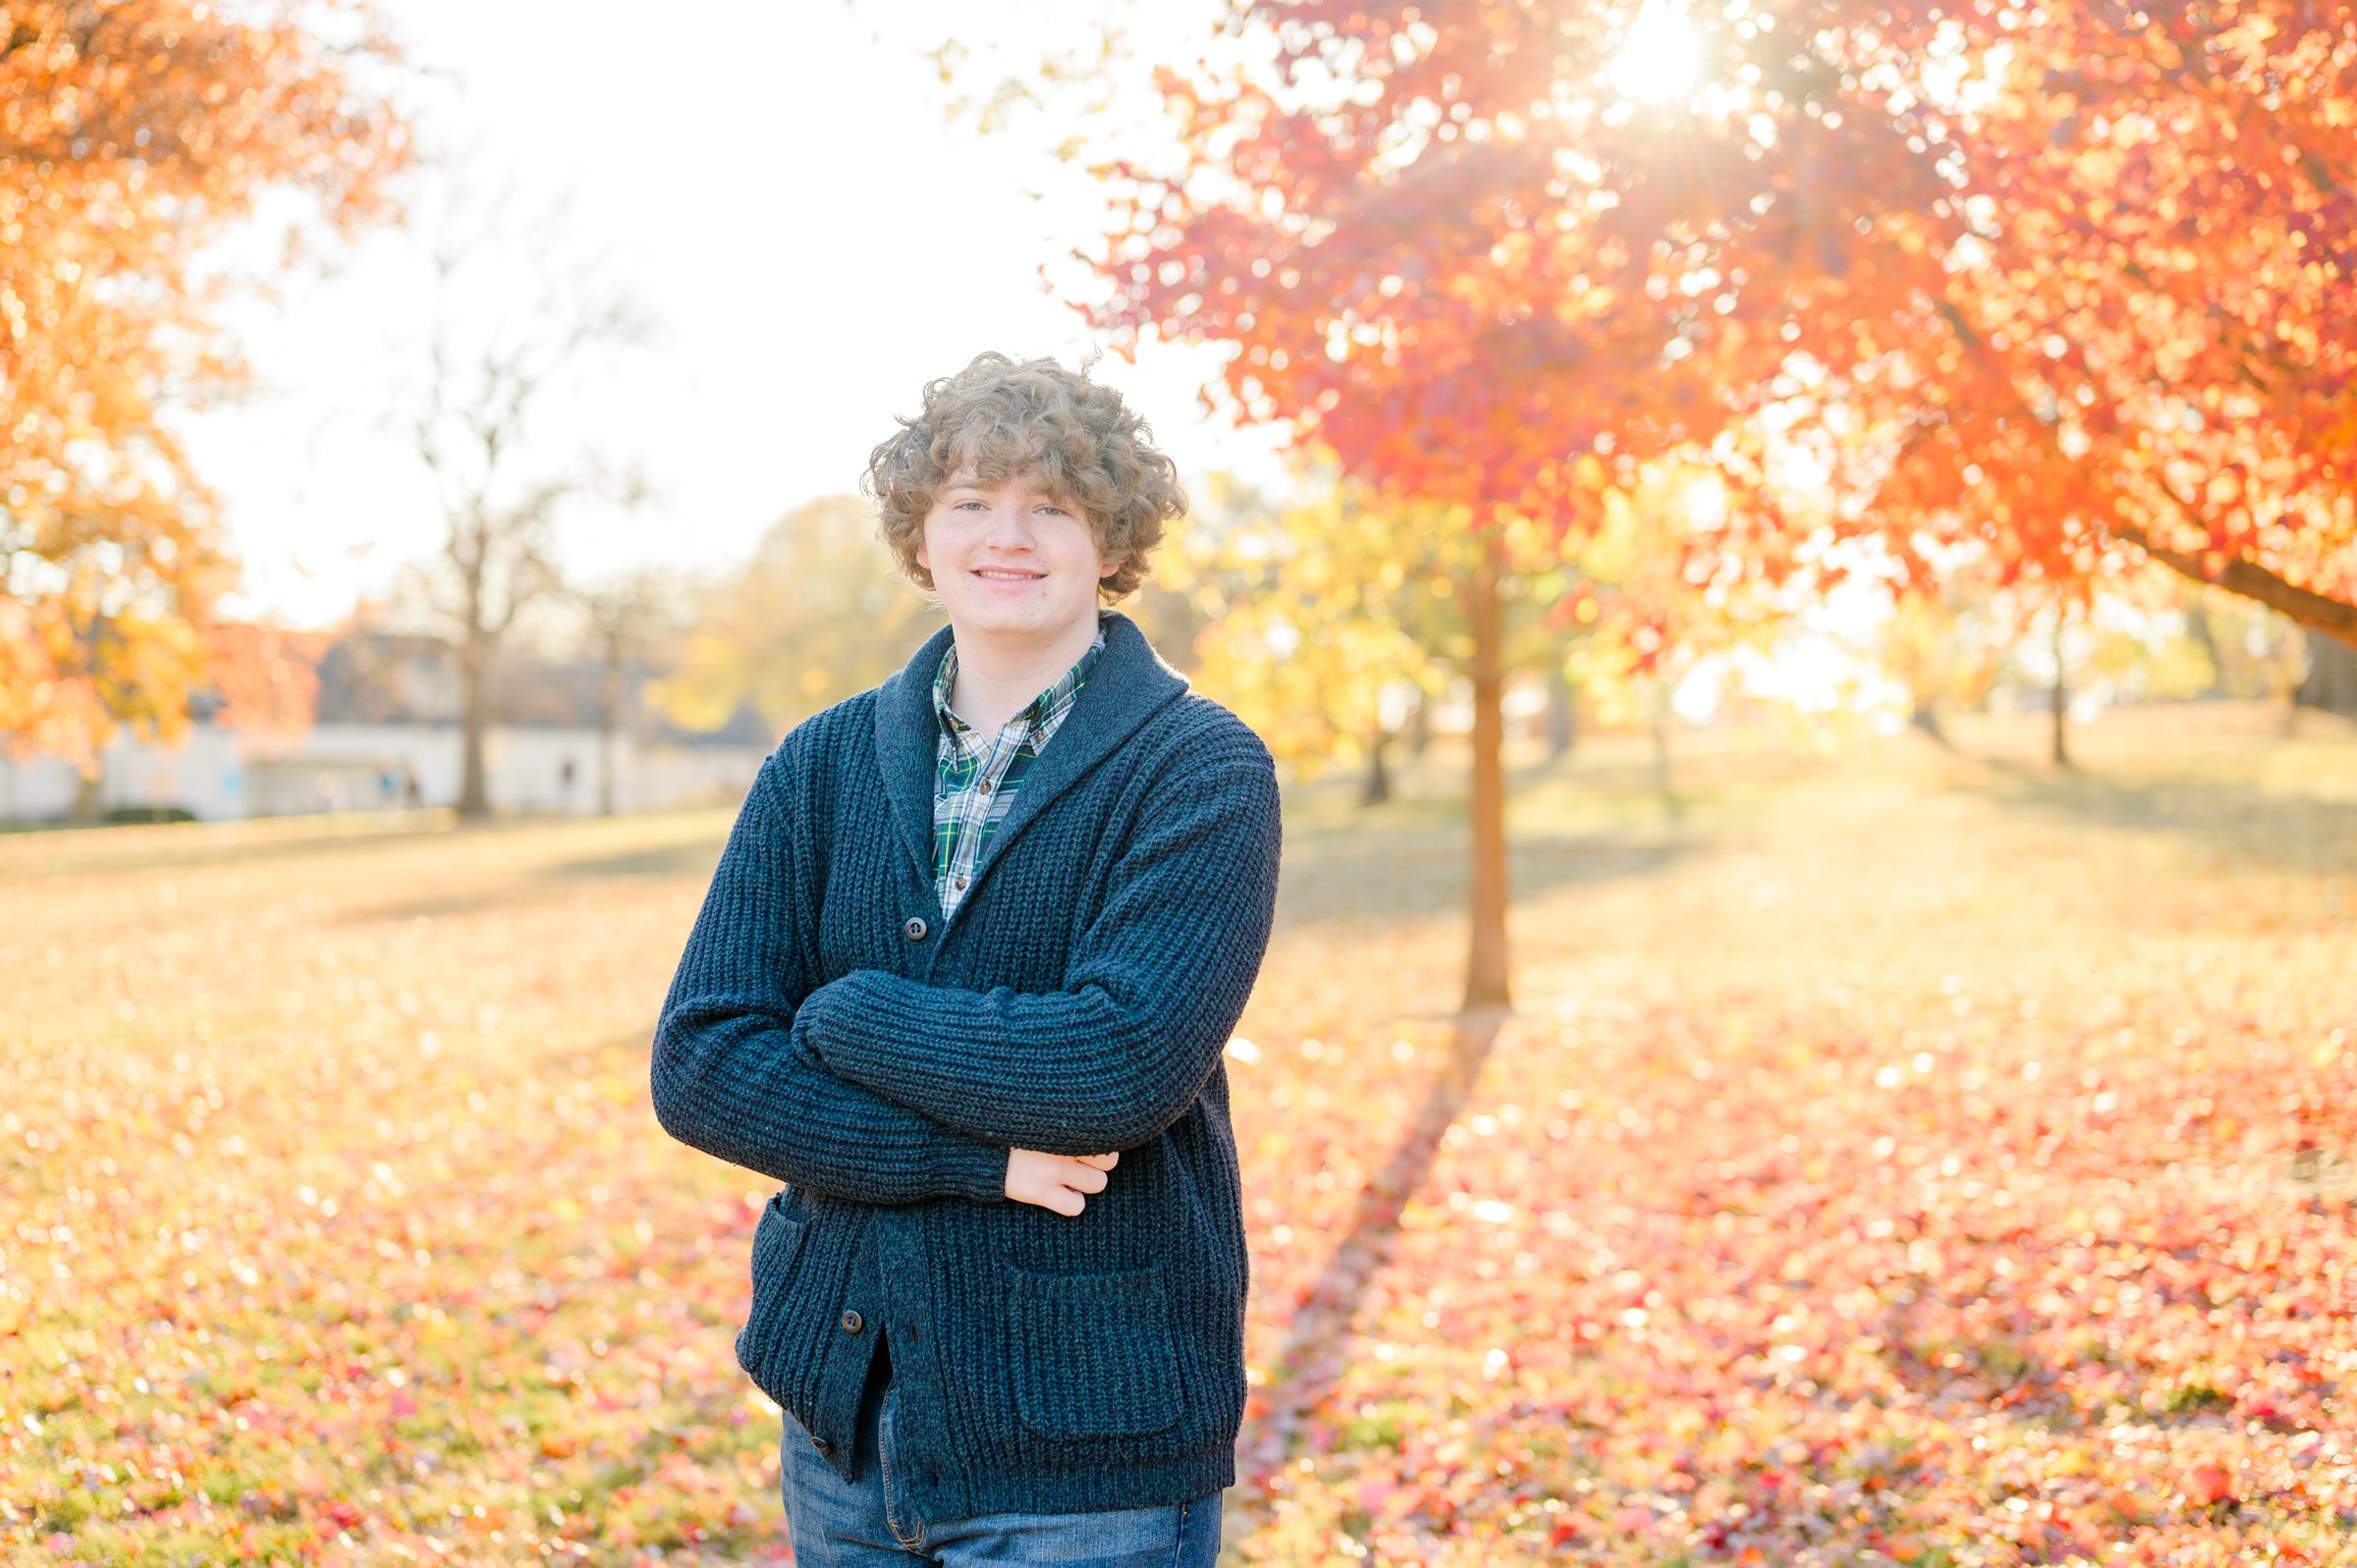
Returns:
(962,980)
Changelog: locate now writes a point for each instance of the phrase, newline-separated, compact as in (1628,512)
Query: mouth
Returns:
(1007,574)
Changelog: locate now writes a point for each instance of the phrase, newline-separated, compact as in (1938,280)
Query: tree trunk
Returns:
(2317,611)
(1657,711)
(1563,723)
(1420,724)
(608,721)
(2198,631)
(475,792)
(90,792)
(1377,787)
(2332,679)
(1923,716)
(1486,954)
(2061,696)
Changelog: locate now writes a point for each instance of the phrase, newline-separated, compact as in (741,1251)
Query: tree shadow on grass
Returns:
(1309,1361)
(2230,818)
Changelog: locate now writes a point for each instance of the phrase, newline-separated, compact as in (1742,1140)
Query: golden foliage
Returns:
(816,616)
(133,136)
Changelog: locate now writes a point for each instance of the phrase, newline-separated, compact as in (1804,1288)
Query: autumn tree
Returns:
(1331,606)
(2146,329)
(2050,292)
(1932,647)
(1334,615)
(1660,616)
(135,135)
(1320,626)
(1383,266)
(817,614)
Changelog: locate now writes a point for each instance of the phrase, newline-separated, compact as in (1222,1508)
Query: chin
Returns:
(987,617)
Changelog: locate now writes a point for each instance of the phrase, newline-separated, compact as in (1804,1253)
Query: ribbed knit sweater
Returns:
(825,1030)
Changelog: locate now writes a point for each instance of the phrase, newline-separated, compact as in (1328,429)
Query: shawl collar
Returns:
(1129,684)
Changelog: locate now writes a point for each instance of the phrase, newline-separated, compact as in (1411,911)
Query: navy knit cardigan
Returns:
(826,1030)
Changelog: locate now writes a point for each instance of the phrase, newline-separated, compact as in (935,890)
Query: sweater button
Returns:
(821,1443)
(851,1322)
(914,928)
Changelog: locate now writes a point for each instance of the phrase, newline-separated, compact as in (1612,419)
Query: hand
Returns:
(1055,1181)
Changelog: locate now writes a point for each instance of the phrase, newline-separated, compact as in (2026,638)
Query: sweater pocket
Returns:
(777,1239)
(1094,1355)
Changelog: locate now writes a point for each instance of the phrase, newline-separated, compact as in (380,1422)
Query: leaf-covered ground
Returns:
(1891,1159)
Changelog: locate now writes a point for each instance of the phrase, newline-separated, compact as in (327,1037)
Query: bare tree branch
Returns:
(471,432)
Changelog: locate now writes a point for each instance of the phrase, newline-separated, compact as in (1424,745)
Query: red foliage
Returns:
(2024,285)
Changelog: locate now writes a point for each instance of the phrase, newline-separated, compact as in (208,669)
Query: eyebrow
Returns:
(1045,493)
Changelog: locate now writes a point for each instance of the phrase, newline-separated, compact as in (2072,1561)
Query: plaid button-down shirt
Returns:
(975,776)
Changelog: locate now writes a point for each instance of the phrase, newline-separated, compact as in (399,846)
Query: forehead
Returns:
(1030,480)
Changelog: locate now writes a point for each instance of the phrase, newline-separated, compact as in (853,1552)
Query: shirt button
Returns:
(851,1322)
(914,926)
(958,883)
(985,786)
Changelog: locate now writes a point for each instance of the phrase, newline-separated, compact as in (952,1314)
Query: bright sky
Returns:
(778,186)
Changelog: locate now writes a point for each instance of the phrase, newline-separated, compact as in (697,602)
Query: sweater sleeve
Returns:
(733,1071)
(1155,989)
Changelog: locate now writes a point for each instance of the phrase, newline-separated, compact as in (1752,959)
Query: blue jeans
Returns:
(868,1523)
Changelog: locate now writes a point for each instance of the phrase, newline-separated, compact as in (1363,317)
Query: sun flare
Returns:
(1661,58)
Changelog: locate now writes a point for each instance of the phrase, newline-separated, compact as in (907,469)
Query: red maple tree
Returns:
(2061,288)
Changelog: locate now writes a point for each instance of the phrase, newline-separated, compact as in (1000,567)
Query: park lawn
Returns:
(1939,1163)
(340,1229)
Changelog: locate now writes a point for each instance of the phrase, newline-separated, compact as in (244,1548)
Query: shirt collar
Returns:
(1042,712)
(1131,685)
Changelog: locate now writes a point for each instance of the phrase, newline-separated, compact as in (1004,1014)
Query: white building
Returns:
(216,774)
(385,735)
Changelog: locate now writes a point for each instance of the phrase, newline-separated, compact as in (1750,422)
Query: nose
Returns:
(1009,525)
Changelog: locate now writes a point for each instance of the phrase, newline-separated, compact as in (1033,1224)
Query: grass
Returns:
(339,1229)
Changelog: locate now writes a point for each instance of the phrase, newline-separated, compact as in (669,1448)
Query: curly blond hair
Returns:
(1003,419)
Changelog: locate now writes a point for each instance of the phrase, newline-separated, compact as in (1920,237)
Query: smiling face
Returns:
(1034,419)
(1013,560)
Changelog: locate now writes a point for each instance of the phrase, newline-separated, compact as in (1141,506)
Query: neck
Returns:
(996,675)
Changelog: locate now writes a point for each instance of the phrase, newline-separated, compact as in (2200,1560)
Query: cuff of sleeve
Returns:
(972,1168)
(809,1025)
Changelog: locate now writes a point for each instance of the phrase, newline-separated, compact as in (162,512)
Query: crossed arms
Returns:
(885,1090)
